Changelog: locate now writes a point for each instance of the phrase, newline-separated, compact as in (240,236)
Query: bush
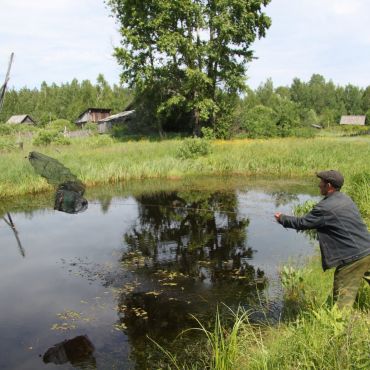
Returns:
(260,121)
(9,129)
(46,137)
(193,148)
(5,129)
(208,133)
(287,117)
(119,131)
(60,125)
(61,140)
(91,126)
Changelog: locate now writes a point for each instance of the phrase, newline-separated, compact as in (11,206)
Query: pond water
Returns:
(87,290)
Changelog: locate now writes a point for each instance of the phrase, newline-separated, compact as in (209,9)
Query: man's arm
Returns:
(312,220)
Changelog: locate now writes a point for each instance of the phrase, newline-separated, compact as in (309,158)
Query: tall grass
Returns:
(317,336)
(223,343)
(221,349)
(102,160)
(320,339)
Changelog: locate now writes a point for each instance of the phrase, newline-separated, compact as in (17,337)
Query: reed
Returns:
(319,336)
(102,160)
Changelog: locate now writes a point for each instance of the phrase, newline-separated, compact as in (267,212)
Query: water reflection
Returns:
(142,269)
(78,351)
(282,198)
(188,253)
(10,223)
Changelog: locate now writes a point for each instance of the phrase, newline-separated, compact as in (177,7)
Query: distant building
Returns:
(22,118)
(106,124)
(92,115)
(353,120)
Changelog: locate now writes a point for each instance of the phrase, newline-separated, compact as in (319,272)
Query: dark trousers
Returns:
(347,281)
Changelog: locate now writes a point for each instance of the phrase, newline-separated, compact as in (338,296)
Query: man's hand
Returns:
(277,216)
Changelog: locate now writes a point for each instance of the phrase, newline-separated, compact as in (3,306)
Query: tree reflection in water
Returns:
(189,253)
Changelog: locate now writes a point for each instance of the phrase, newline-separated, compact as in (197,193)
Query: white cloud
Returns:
(330,37)
(57,41)
(346,7)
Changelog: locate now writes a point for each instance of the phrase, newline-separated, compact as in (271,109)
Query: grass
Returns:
(314,335)
(101,160)
(318,336)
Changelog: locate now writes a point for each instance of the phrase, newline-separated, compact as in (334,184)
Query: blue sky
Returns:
(55,41)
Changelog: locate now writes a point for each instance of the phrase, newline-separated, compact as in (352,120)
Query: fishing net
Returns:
(69,189)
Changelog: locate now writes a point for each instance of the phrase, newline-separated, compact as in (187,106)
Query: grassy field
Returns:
(101,160)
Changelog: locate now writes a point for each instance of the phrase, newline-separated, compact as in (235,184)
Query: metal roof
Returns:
(118,115)
(19,118)
(353,120)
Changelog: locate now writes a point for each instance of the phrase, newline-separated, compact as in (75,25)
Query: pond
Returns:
(88,290)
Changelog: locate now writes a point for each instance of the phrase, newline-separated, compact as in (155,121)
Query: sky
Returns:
(58,40)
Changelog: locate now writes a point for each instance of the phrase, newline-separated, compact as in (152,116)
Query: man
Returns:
(343,237)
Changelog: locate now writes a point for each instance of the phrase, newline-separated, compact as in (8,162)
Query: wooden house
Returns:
(106,124)
(21,118)
(92,115)
(353,120)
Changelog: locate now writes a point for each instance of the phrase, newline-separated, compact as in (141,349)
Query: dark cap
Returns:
(334,177)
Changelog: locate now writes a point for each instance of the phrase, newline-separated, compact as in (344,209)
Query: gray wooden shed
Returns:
(106,124)
(92,115)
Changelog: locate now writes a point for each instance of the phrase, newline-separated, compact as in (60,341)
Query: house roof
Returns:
(352,120)
(118,115)
(19,118)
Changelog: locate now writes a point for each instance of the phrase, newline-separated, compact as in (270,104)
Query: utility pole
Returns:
(7,77)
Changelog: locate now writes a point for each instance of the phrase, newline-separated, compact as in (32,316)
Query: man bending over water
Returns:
(343,237)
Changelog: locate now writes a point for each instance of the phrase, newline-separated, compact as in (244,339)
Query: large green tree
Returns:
(186,57)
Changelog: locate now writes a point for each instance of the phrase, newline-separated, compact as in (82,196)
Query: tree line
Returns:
(66,101)
(270,111)
(262,112)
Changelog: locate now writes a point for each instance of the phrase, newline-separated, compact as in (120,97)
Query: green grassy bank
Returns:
(101,160)
(316,336)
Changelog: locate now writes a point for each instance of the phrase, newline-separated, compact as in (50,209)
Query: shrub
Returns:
(208,133)
(44,137)
(23,128)
(5,129)
(260,121)
(193,148)
(91,126)
(287,117)
(60,125)
(61,140)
